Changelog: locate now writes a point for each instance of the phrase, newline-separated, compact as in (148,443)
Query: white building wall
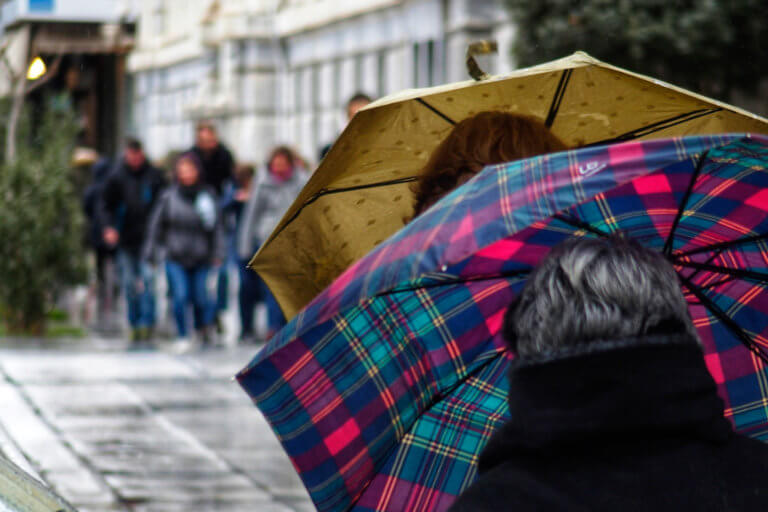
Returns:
(270,76)
(100,11)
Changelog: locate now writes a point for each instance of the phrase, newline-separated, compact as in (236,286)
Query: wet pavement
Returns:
(111,430)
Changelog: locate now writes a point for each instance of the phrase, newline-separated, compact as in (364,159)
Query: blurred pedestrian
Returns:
(104,254)
(218,167)
(216,159)
(484,139)
(236,198)
(249,292)
(354,104)
(128,196)
(266,206)
(612,404)
(187,225)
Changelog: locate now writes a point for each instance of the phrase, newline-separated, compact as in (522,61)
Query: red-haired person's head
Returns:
(484,139)
(281,163)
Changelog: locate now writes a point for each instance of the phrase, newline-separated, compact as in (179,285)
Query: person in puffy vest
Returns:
(186,226)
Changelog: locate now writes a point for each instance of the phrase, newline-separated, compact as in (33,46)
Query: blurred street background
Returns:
(267,71)
(115,411)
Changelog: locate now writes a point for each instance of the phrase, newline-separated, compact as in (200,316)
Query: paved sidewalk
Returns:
(142,431)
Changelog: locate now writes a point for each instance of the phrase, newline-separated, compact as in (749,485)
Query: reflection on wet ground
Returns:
(142,431)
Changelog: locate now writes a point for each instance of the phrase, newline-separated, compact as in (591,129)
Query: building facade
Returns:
(84,43)
(280,72)
(14,11)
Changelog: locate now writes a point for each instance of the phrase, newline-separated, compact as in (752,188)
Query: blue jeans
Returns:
(188,285)
(138,282)
(222,289)
(275,317)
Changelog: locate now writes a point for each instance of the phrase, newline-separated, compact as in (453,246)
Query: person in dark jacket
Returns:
(127,199)
(105,254)
(218,173)
(358,101)
(612,405)
(249,292)
(217,162)
(187,224)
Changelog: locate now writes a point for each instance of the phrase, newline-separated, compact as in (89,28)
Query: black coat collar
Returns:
(608,392)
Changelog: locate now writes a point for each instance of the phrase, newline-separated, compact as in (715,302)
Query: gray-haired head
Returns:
(589,290)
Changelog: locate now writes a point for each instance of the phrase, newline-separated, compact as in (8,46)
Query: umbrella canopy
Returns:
(360,194)
(384,389)
(20,492)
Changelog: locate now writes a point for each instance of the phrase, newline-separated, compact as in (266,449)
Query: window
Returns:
(41,5)
(381,73)
(315,85)
(338,101)
(241,55)
(159,17)
(359,71)
(430,58)
(428,63)
(297,90)
(315,107)
(212,64)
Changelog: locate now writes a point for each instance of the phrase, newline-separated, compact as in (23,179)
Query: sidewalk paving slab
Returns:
(145,431)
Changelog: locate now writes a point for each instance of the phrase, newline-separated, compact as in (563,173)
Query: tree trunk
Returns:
(19,92)
(19,323)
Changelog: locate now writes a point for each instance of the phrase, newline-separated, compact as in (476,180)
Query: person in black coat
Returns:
(216,159)
(126,202)
(104,253)
(218,173)
(612,406)
(358,101)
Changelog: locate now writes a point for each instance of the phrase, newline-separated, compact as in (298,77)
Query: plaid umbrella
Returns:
(386,387)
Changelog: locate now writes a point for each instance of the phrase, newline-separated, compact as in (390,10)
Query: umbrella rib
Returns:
(727,321)
(565,77)
(709,260)
(433,109)
(326,192)
(657,126)
(736,272)
(580,224)
(684,203)
(330,191)
(723,245)
(457,280)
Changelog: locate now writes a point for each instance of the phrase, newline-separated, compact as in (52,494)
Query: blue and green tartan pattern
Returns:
(345,409)
(385,388)
(441,449)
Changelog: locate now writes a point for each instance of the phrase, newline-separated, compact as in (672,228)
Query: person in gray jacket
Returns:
(187,225)
(267,204)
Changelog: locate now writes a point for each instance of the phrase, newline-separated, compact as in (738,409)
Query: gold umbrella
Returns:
(360,194)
